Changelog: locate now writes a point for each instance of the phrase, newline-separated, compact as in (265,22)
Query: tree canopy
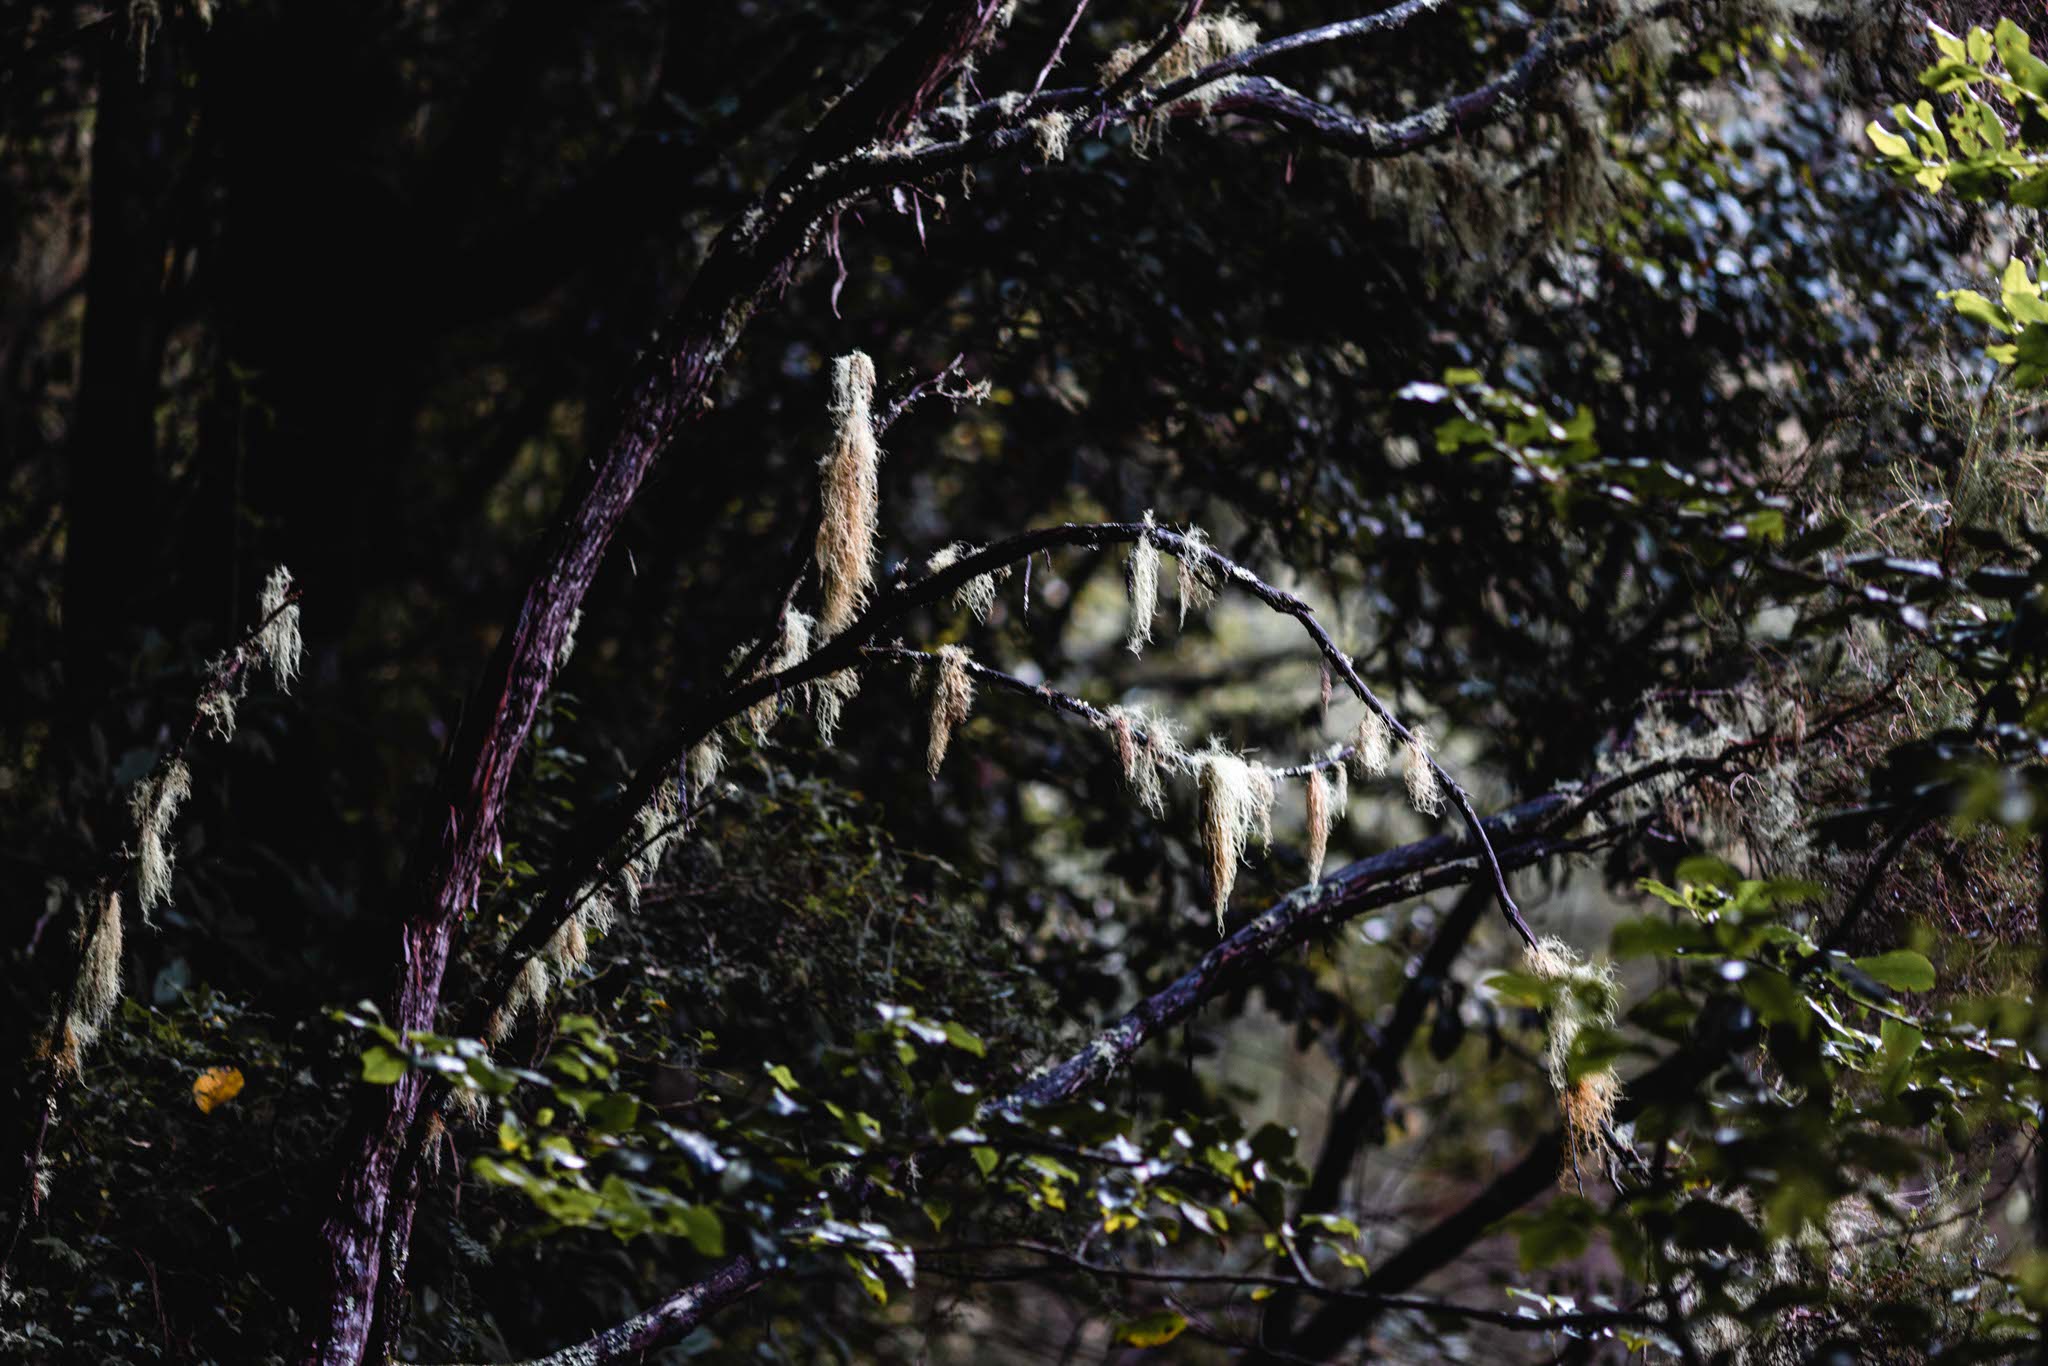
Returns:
(1024,681)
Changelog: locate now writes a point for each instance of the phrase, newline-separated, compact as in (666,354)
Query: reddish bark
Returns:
(366,1225)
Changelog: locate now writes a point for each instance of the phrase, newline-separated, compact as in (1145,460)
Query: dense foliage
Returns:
(1382,695)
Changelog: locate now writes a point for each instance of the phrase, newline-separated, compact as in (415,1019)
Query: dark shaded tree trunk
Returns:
(111,505)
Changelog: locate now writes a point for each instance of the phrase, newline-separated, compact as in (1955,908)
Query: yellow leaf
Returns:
(215,1087)
(1154,1330)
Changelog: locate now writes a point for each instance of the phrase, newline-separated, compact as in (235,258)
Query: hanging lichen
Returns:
(569,947)
(707,761)
(829,696)
(1229,816)
(154,805)
(977,596)
(1141,583)
(952,699)
(1318,822)
(96,990)
(1425,791)
(1147,750)
(279,638)
(528,990)
(1582,994)
(1262,796)
(1049,132)
(792,647)
(1373,746)
(1206,41)
(849,494)
(1197,590)
(656,830)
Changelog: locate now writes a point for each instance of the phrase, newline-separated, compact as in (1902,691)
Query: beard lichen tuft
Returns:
(1229,816)
(1318,823)
(1197,588)
(1583,994)
(569,947)
(1141,582)
(430,1142)
(952,699)
(528,990)
(829,696)
(1263,781)
(224,689)
(279,639)
(1206,41)
(1147,749)
(154,805)
(1118,719)
(707,761)
(1339,774)
(977,596)
(1049,132)
(97,989)
(468,1104)
(1373,746)
(792,647)
(655,831)
(1425,792)
(1209,39)
(849,494)
(596,909)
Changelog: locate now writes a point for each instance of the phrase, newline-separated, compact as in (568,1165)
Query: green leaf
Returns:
(1901,970)
(1887,142)
(869,1281)
(1974,306)
(705,1232)
(2015,283)
(1704,870)
(1563,1229)
(949,1105)
(963,1039)
(1154,1330)
(1651,938)
(381,1066)
(986,1159)
(1519,988)
(1895,1058)
(2031,193)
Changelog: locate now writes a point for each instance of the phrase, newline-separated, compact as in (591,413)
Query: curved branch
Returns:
(1501,98)
(1386,21)
(1061,1261)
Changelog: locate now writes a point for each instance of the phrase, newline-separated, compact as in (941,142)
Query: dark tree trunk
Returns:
(111,505)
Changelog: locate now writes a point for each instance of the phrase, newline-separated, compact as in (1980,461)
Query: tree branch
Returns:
(1064,1262)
